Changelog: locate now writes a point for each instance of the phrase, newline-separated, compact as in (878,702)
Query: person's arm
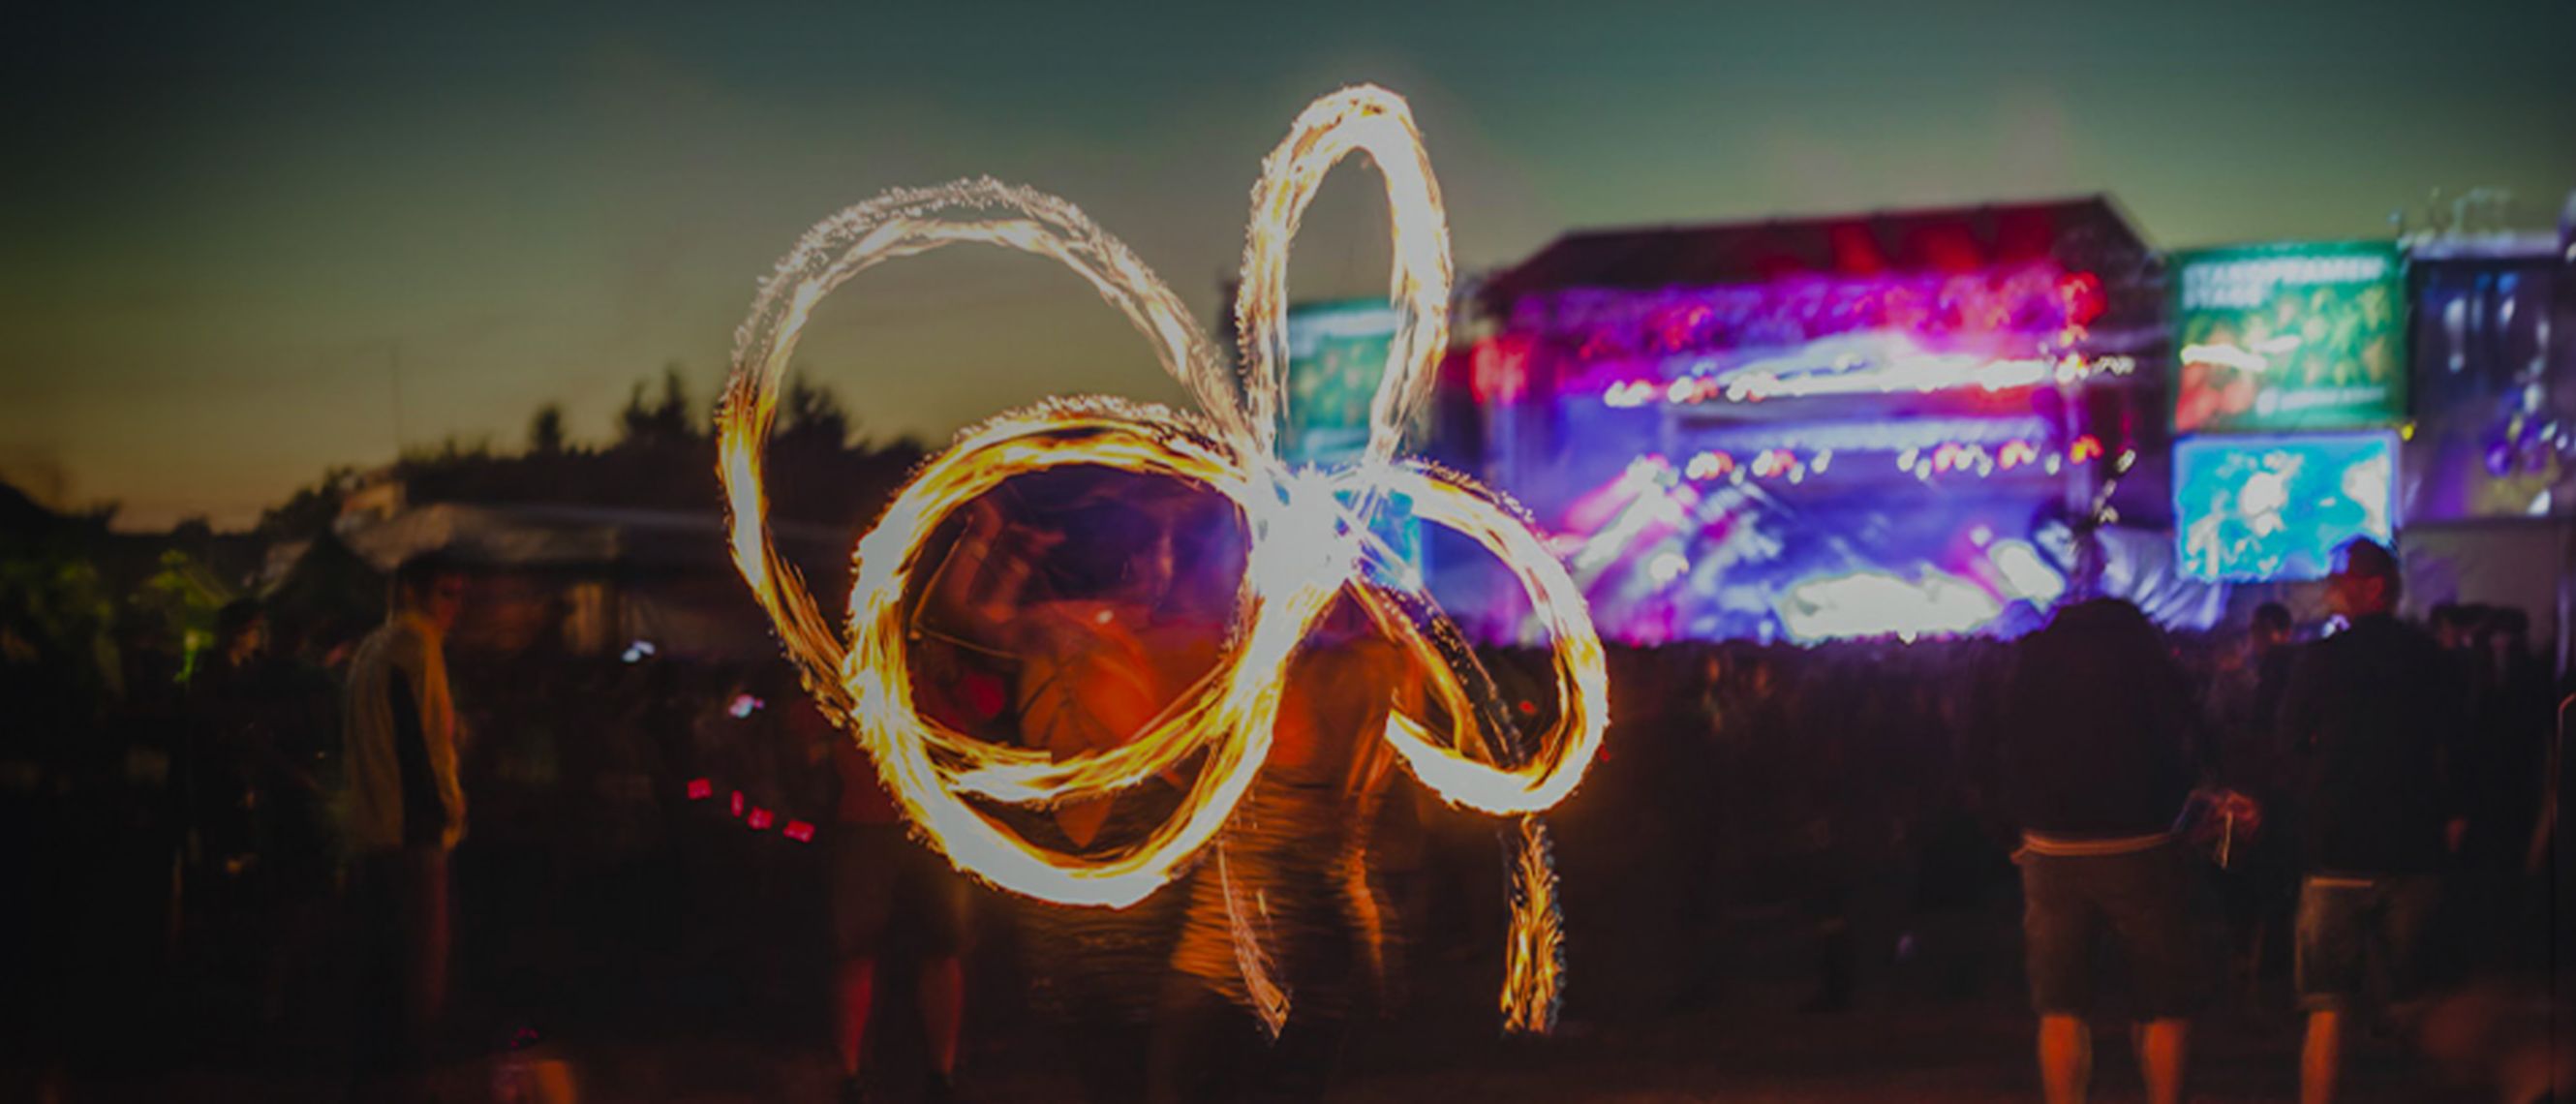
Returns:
(975,594)
(424,811)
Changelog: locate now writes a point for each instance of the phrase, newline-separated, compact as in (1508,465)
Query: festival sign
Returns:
(1336,352)
(2290,337)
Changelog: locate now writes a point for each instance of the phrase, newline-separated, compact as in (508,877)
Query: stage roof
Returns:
(2081,234)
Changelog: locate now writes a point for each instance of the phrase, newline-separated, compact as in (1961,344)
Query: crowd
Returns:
(325,819)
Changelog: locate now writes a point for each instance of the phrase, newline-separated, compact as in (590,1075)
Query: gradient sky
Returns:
(228,233)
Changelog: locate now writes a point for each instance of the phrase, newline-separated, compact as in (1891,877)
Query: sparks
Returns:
(1308,539)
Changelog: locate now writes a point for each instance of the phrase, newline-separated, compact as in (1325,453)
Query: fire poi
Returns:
(1307,529)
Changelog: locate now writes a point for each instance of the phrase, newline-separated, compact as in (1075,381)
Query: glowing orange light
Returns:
(1308,540)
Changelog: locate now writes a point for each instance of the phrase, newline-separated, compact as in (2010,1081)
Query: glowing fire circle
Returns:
(1308,540)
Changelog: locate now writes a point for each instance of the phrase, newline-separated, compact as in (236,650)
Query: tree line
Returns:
(661,457)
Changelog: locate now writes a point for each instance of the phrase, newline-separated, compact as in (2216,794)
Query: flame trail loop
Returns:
(1308,530)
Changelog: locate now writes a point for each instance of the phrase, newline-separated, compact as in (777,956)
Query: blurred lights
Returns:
(1499,370)
(1878,603)
(1633,393)
(2226,355)
(2023,574)
(1709,465)
(1904,373)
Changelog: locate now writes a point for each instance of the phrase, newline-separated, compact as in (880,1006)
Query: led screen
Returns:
(2495,391)
(1336,356)
(2268,508)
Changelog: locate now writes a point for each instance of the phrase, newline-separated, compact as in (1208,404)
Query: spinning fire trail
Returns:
(1308,541)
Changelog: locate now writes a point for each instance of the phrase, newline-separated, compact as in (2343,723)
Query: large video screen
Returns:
(1336,356)
(2250,509)
(2290,337)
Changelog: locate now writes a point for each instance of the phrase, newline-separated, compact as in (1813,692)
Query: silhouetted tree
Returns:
(667,422)
(546,431)
(814,419)
(820,471)
(308,511)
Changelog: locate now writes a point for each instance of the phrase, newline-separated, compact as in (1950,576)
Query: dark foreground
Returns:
(1918,1054)
(1748,1042)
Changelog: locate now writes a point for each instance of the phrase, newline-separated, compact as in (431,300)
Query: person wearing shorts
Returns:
(2095,769)
(2368,710)
(2346,920)
(2072,899)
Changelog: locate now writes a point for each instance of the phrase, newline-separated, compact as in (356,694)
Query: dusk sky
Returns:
(225,230)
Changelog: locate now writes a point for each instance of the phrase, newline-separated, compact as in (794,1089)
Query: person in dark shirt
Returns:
(2369,708)
(2498,767)
(2095,768)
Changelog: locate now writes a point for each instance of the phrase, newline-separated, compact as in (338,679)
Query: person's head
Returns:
(2507,632)
(241,630)
(2271,626)
(2365,579)
(432,585)
(2454,625)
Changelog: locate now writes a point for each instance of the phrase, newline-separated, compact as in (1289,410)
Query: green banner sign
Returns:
(1336,356)
(2300,336)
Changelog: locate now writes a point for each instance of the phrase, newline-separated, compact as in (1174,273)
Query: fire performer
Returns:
(1100,651)
(1293,867)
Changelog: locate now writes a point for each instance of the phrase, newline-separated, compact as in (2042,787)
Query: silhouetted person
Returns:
(875,875)
(1099,652)
(2370,707)
(1293,864)
(259,774)
(402,806)
(2095,771)
(2502,759)
(2259,883)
